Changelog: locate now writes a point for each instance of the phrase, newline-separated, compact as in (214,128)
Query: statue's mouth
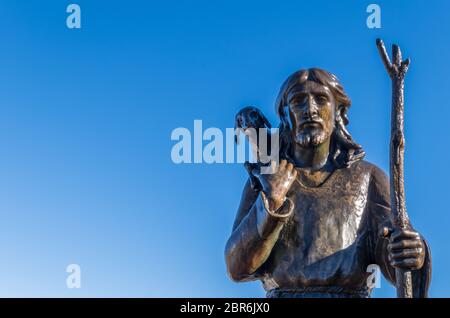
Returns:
(311,124)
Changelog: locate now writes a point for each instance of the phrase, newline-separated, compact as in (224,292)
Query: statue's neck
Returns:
(312,157)
(314,164)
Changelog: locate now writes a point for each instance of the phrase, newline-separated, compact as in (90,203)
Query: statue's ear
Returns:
(337,112)
(341,111)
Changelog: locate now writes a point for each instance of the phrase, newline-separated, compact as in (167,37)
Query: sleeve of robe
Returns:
(381,216)
(255,232)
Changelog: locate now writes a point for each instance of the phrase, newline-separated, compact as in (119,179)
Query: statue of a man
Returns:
(324,216)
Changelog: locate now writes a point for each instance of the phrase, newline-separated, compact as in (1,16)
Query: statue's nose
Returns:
(311,108)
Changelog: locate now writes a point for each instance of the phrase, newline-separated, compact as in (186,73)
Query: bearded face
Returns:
(311,112)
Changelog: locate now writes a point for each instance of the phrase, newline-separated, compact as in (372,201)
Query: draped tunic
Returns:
(323,241)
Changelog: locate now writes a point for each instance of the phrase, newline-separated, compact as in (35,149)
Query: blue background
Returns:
(86,116)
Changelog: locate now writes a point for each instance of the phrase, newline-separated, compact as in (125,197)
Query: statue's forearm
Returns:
(252,241)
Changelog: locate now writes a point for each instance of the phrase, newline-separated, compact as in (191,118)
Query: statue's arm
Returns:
(381,218)
(255,232)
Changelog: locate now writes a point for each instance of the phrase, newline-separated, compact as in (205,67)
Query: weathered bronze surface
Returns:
(397,72)
(312,228)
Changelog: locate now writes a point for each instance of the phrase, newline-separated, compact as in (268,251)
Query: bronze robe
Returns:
(324,244)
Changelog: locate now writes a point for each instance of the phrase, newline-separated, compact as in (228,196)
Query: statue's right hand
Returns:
(276,185)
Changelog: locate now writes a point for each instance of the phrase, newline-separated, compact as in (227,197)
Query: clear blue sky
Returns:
(86,115)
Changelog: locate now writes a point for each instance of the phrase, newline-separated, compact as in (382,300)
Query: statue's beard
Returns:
(311,138)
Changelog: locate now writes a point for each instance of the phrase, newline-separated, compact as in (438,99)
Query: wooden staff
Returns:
(397,71)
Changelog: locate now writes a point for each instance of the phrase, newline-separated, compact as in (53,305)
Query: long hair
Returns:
(344,149)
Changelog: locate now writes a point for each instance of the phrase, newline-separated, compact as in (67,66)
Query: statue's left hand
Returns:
(406,250)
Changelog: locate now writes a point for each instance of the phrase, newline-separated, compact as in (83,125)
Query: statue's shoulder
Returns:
(379,180)
(366,167)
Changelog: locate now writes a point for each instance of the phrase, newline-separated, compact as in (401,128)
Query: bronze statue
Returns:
(312,228)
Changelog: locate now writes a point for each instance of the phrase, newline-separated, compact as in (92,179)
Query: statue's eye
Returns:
(321,99)
(299,100)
